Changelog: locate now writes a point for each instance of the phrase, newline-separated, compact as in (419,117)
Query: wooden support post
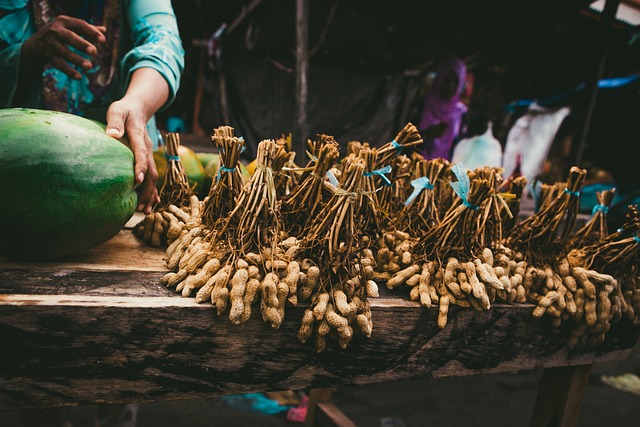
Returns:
(320,398)
(302,72)
(560,396)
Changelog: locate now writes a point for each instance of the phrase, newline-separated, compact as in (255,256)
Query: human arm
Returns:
(51,44)
(151,71)
(16,25)
(157,44)
(24,51)
(147,92)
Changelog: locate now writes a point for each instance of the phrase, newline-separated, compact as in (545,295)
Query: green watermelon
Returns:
(65,185)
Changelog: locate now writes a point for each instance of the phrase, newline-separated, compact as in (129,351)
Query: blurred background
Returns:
(370,65)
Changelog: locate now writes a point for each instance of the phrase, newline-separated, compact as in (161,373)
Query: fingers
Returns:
(64,66)
(147,196)
(148,193)
(55,43)
(125,120)
(136,136)
(121,121)
(115,121)
(83,28)
(81,44)
(59,50)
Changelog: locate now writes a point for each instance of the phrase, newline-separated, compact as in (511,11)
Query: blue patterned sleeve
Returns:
(156,42)
(16,25)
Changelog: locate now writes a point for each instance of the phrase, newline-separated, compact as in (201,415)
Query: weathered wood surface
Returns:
(100,328)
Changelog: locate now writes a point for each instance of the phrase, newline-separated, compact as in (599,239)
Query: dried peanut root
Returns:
(243,261)
(333,243)
(420,211)
(225,190)
(178,204)
(337,267)
(307,199)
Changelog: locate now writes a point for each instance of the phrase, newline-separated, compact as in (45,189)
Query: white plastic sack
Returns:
(478,151)
(531,137)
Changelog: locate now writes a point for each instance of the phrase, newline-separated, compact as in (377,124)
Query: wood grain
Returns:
(92,349)
(122,252)
(100,328)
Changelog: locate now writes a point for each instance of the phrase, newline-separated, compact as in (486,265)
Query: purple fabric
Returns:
(437,110)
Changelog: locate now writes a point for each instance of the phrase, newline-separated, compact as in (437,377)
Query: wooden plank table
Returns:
(99,328)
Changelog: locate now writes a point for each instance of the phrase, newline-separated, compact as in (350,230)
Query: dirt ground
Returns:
(485,400)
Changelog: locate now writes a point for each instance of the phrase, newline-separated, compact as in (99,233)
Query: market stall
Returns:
(170,307)
(350,264)
(99,328)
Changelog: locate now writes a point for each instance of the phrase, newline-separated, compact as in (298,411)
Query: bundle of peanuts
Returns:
(178,204)
(337,247)
(240,259)
(472,283)
(591,299)
(325,235)
(507,271)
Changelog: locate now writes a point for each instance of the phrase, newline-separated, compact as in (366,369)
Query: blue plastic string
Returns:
(332,178)
(636,239)
(536,187)
(572,193)
(399,148)
(170,157)
(224,169)
(555,99)
(418,185)
(463,185)
(381,173)
(313,158)
(600,208)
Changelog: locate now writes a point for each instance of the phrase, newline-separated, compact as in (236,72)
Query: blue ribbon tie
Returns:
(224,169)
(381,173)
(399,148)
(169,157)
(463,185)
(332,178)
(418,185)
(572,193)
(600,208)
(536,188)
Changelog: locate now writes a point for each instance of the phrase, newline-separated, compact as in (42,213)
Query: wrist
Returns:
(149,89)
(136,105)
(30,60)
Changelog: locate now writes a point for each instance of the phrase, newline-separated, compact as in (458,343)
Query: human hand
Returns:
(126,118)
(51,44)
